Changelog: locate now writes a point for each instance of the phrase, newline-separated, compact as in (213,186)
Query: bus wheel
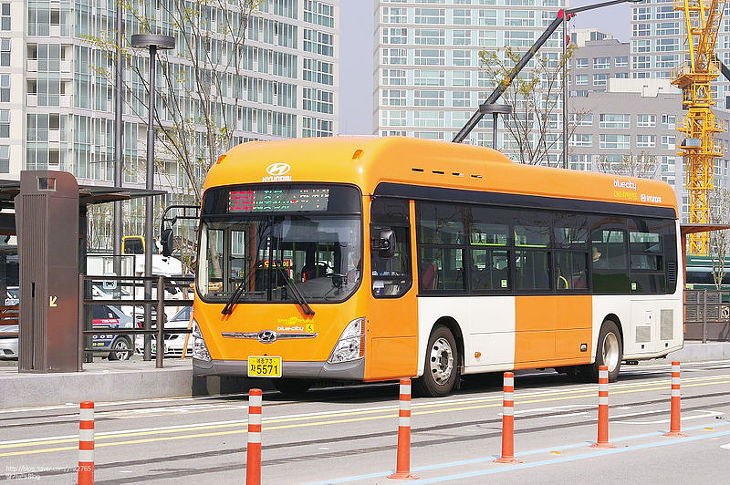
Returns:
(291,387)
(441,368)
(608,353)
(119,346)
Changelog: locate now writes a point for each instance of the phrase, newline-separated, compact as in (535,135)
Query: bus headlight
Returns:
(200,350)
(351,345)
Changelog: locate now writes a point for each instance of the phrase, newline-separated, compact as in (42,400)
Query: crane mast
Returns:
(700,68)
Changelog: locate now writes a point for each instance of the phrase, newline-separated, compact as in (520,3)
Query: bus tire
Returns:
(291,387)
(441,368)
(609,353)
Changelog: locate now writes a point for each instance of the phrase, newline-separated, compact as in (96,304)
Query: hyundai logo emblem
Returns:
(278,169)
(267,336)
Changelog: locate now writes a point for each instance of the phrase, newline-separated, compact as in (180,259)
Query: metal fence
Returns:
(706,315)
(129,291)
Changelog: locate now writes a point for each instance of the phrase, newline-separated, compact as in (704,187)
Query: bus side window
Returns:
(391,276)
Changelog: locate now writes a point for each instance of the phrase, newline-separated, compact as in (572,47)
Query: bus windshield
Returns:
(266,256)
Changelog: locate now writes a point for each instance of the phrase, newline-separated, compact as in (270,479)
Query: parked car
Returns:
(108,316)
(174,342)
(9,326)
(13,295)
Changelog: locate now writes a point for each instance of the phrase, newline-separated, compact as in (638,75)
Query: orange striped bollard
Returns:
(602,409)
(86,443)
(675,428)
(253,444)
(403,463)
(508,421)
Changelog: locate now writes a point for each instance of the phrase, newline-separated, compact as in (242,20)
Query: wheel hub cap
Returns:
(442,361)
(610,351)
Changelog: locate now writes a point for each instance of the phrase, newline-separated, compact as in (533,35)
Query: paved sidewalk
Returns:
(99,381)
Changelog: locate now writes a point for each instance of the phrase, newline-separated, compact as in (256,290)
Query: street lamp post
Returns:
(496,110)
(151,42)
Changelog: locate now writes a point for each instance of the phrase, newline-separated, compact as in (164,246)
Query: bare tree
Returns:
(641,165)
(535,96)
(719,240)
(202,96)
(203,84)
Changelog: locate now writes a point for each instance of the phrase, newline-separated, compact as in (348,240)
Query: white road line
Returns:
(726,447)
(706,414)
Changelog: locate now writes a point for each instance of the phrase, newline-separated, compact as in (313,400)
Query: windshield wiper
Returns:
(298,296)
(228,309)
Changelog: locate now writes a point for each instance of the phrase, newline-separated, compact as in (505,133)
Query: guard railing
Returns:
(158,285)
(706,315)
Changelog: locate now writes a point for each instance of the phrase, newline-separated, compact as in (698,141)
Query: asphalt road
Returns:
(349,435)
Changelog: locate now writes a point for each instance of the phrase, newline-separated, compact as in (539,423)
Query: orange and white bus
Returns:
(370,259)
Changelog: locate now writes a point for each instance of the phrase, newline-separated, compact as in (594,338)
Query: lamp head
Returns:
(145,41)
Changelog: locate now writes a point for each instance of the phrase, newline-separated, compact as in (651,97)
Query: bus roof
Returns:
(370,161)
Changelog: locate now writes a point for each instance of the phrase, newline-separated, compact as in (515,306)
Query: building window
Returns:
(428,57)
(667,28)
(4,123)
(395,56)
(433,16)
(461,37)
(668,142)
(601,63)
(461,78)
(4,159)
(616,142)
(611,120)
(394,15)
(641,30)
(4,88)
(669,122)
(600,79)
(621,75)
(581,63)
(461,58)
(394,97)
(319,13)
(4,52)
(581,140)
(487,17)
(461,99)
(428,98)
(462,17)
(581,79)
(645,141)
(581,119)
(621,61)
(429,36)
(5,16)
(394,77)
(641,62)
(641,13)
(645,121)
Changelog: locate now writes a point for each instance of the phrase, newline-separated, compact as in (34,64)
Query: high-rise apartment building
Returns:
(428,80)
(57,94)
(627,125)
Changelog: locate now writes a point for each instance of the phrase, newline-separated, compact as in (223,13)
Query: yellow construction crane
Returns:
(701,67)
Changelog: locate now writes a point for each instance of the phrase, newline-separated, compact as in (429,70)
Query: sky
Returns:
(356,54)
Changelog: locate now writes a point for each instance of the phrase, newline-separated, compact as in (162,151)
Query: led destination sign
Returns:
(278,200)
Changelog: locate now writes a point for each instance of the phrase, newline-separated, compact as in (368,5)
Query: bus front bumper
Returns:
(351,371)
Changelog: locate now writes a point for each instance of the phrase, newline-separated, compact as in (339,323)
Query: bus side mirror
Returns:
(384,244)
(166,239)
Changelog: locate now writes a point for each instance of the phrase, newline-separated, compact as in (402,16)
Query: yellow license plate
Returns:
(264,367)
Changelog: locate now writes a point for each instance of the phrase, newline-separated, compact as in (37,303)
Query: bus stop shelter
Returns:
(47,211)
